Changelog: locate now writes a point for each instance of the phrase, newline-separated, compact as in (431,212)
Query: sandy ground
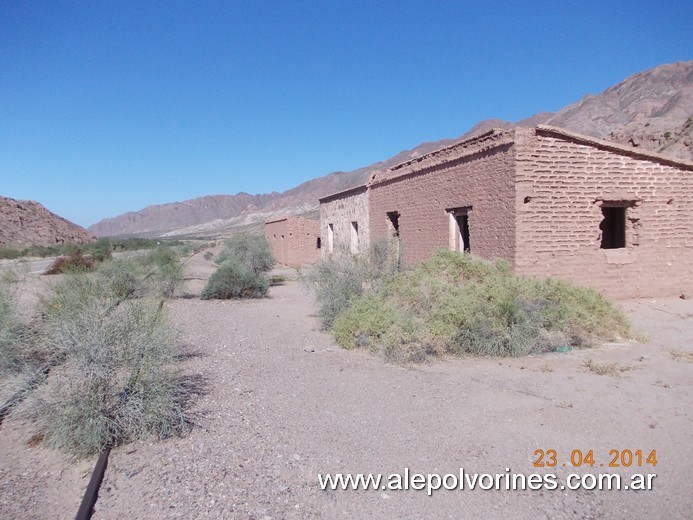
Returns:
(284,404)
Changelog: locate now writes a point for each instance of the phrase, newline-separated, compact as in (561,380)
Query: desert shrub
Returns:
(123,278)
(76,261)
(158,273)
(100,250)
(165,271)
(208,255)
(9,252)
(249,252)
(114,382)
(338,281)
(231,281)
(364,323)
(459,304)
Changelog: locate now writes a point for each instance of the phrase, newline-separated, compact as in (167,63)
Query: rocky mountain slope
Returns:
(652,110)
(25,222)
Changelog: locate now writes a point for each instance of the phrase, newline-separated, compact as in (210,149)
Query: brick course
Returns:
(565,182)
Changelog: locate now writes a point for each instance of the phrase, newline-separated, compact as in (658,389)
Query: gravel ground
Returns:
(284,403)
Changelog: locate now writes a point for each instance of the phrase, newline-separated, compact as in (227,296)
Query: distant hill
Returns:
(26,223)
(652,110)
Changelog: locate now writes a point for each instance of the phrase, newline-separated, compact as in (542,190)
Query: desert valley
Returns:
(221,379)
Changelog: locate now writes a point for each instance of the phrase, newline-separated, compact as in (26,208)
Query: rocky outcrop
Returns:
(25,223)
(650,110)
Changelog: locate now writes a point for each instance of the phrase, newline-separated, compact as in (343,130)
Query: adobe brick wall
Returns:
(294,240)
(561,184)
(341,211)
(276,233)
(479,175)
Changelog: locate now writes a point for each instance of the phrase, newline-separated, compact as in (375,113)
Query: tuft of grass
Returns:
(681,355)
(230,281)
(458,304)
(278,279)
(605,369)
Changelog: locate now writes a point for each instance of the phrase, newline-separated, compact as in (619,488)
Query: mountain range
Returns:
(651,110)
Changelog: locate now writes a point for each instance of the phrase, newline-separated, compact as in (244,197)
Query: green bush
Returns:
(9,252)
(337,282)
(459,304)
(249,252)
(230,281)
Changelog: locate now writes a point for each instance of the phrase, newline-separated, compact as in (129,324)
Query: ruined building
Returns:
(295,240)
(549,201)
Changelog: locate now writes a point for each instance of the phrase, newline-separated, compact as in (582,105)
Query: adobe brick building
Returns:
(551,202)
(295,240)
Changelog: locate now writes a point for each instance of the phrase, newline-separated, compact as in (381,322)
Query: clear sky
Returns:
(110,106)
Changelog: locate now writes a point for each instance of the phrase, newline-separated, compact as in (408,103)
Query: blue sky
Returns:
(107,107)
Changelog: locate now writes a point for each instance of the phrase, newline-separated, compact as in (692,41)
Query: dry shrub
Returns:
(114,381)
(75,261)
(158,273)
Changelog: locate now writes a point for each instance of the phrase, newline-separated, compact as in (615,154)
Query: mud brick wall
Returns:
(340,211)
(479,176)
(562,184)
(294,240)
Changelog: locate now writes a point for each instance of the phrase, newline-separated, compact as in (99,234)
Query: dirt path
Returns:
(285,403)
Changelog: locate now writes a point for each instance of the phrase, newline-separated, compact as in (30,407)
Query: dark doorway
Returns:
(462,220)
(393,223)
(613,227)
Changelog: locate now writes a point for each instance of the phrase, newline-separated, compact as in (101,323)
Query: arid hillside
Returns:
(25,223)
(652,110)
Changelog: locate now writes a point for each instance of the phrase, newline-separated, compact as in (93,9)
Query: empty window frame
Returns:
(318,243)
(613,225)
(459,229)
(393,223)
(354,238)
(330,238)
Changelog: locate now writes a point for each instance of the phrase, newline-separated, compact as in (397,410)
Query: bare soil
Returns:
(284,403)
